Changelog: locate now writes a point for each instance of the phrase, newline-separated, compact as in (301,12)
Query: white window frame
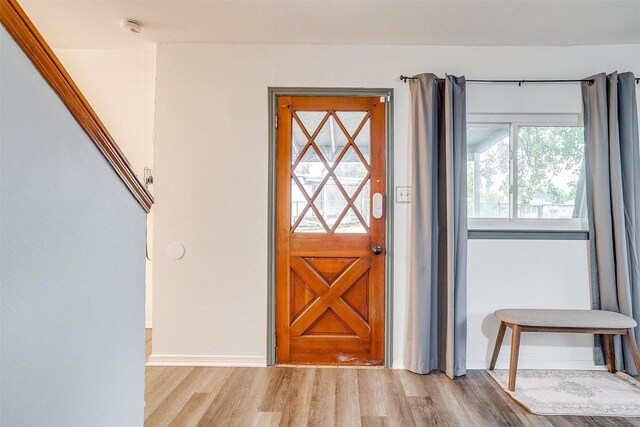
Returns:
(515,121)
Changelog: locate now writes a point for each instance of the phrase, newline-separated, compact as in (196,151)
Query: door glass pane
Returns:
(363,141)
(330,140)
(488,171)
(310,224)
(549,171)
(298,141)
(350,224)
(298,202)
(311,120)
(351,120)
(363,202)
(310,172)
(350,171)
(330,202)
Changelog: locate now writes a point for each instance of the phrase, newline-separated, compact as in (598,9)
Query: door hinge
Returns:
(275,341)
(276,121)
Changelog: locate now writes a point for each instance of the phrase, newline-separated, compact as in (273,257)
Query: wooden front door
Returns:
(330,233)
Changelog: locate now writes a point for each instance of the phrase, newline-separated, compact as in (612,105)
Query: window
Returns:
(330,185)
(526,172)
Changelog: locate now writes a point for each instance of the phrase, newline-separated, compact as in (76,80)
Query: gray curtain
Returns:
(612,159)
(437,297)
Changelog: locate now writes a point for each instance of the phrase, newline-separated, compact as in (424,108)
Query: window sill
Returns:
(515,234)
(528,224)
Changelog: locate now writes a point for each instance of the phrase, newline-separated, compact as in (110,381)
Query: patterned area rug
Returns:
(589,393)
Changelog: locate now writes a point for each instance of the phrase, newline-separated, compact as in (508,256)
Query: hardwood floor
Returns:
(292,396)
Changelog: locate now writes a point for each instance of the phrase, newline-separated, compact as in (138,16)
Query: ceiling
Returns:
(95,24)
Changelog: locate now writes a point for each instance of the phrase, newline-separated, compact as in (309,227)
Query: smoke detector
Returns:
(131,26)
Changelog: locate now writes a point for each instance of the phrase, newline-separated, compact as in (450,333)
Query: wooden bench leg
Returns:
(608,352)
(496,349)
(515,351)
(633,347)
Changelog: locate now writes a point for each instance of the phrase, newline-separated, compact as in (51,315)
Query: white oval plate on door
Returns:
(377,206)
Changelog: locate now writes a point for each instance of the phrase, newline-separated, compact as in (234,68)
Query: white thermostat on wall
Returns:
(175,250)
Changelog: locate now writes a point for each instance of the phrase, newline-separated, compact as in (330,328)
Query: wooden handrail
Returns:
(20,27)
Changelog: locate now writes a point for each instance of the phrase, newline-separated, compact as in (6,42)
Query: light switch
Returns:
(403,194)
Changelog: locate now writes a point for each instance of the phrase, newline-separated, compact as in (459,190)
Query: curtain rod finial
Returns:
(406,78)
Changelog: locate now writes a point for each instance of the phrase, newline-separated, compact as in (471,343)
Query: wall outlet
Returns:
(403,194)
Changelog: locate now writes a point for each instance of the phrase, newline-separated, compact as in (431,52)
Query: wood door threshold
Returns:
(287,365)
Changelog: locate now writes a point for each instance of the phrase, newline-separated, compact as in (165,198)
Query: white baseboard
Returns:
(580,365)
(148,324)
(260,361)
(205,360)
(538,364)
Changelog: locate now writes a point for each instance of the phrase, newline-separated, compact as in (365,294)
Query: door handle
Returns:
(377,250)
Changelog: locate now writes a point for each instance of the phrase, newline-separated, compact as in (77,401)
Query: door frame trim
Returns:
(274,93)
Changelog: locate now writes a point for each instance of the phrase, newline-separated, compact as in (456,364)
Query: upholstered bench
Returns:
(602,322)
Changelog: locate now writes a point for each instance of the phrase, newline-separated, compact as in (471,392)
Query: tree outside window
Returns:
(524,171)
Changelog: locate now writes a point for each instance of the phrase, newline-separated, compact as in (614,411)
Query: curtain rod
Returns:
(519,82)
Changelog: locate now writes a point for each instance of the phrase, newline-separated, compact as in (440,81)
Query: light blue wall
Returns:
(72,245)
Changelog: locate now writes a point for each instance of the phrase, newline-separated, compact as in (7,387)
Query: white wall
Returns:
(211,164)
(71,266)
(120,85)
(527,274)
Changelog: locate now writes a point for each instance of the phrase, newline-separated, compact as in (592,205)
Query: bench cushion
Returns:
(566,318)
